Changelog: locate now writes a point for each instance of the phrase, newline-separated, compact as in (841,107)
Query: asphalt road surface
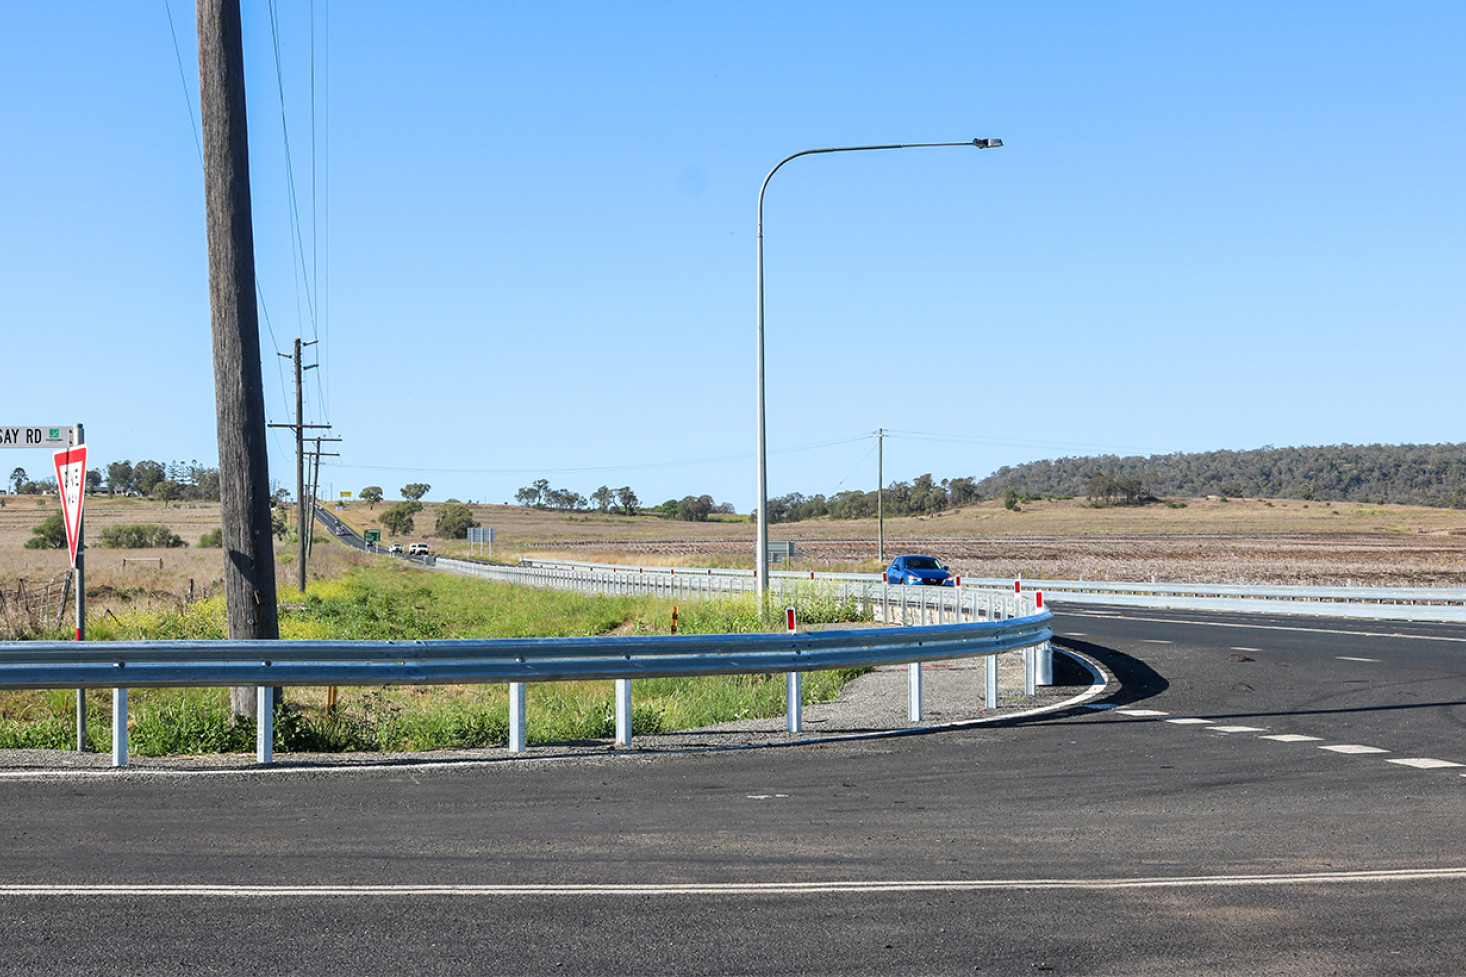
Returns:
(1252,795)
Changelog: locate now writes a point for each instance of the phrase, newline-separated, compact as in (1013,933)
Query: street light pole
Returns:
(761,558)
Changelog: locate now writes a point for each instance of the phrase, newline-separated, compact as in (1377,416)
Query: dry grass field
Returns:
(1204,540)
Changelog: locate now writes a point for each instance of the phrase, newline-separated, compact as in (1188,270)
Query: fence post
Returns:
(518,722)
(623,712)
(990,675)
(265,724)
(119,727)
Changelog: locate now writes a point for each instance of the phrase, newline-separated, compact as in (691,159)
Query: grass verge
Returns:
(396,603)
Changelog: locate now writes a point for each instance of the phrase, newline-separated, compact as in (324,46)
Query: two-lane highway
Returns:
(1186,827)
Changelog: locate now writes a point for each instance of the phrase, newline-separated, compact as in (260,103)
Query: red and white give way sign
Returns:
(71,479)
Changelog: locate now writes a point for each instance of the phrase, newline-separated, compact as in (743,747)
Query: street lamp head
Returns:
(987,143)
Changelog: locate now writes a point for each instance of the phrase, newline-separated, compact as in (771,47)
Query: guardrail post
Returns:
(265,724)
(913,691)
(794,699)
(1030,671)
(623,712)
(793,686)
(1045,669)
(119,727)
(990,680)
(518,721)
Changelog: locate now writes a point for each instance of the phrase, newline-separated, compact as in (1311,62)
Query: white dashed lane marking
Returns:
(1348,749)
(1241,648)
(1347,658)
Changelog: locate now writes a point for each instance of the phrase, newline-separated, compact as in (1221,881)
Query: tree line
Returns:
(1414,474)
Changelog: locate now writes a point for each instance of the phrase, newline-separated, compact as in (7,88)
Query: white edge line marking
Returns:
(1292,738)
(1281,627)
(1425,763)
(1096,689)
(1350,658)
(1237,729)
(1191,722)
(720,889)
(1353,748)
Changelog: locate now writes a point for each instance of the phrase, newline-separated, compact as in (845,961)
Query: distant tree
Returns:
(281,496)
(49,535)
(213,539)
(454,520)
(94,480)
(627,500)
(415,491)
(119,477)
(564,499)
(371,495)
(146,474)
(1010,499)
(691,509)
(19,478)
(397,518)
(603,497)
(535,494)
(167,490)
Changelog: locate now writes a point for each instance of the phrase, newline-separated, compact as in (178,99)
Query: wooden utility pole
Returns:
(304,510)
(239,399)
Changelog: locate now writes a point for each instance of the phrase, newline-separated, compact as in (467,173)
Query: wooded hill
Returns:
(1419,474)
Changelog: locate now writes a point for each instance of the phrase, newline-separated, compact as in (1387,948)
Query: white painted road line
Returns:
(1348,658)
(1141,712)
(1425,763)
(1191,722)
(1236,729)
(1292,738)
(1242,648)
(106,891)
(1353,748)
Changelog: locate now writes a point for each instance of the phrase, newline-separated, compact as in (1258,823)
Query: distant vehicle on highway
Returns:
(417,549)
(341,529)
(395,548)
(919,570)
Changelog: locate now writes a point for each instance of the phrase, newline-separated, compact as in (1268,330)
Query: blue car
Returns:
(923,570)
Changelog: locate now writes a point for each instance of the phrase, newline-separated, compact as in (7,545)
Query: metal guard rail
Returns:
(142,664)
(1397,603)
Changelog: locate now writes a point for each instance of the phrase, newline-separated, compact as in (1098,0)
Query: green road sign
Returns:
(373,535)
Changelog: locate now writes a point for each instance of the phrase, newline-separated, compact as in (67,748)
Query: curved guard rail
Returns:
(139,664)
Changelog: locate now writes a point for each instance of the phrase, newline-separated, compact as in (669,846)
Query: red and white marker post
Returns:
(793,687)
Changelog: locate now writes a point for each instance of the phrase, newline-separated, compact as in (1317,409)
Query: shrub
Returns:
(213,539)
(454,520)
(49,535)
(141,536)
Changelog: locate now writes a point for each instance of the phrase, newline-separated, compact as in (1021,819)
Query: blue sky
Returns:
(527,231)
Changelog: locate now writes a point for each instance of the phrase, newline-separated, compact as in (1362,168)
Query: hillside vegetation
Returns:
(1412,474)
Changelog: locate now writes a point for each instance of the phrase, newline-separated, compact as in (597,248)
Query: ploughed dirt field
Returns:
(1188,541)
(1256,541)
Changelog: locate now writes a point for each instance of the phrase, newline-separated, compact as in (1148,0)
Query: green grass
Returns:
(394,603)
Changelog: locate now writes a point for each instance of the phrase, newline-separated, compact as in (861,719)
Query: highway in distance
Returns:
(1252,795)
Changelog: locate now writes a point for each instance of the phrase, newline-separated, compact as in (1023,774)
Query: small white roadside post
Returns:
(623,712)
(119,727)
(913,691)
(518,723)
(265,724)
(990,675)
(793,687)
